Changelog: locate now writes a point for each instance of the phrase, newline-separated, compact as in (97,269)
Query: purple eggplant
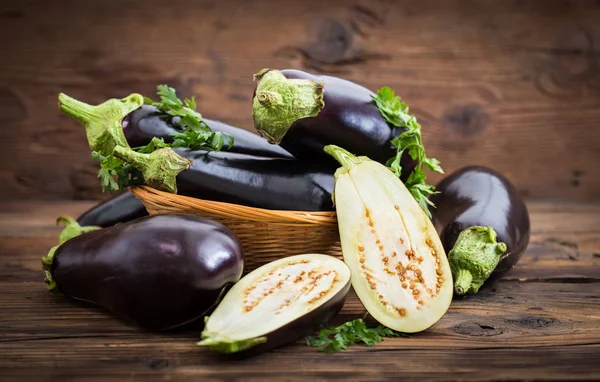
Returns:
(157,272)
(148,122)
(140,123)
(271,183)
(120,208)
(483,223)
(327,110)
(277,304)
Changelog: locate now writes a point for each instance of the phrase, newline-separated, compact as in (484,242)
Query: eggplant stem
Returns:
(474,257)
(159,168)
(72,228)
(47,268)
(103,123)
(279,102)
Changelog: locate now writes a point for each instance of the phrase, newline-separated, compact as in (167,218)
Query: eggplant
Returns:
(326,110)
(157,272)
(120,208)
(141,123)
(277,304)
(399,268)
(483,221)
(148,122)
(271,183)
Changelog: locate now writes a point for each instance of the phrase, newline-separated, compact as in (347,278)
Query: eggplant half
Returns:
(277,304)
(399,268)
(156,272)
(483,223)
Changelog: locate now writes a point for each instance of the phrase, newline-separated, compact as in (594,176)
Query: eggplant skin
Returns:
(480,196)
(156,272)
(271,183)
(350,119)
(302,326)
(121,208)
(147,122)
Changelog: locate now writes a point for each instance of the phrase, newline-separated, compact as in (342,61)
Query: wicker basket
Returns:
(266,235)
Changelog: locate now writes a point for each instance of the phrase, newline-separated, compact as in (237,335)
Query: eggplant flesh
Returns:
(156,272)
(120,208)
(479,196)
(399,267)
(277,304)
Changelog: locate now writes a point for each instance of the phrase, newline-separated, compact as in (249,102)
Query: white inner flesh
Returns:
(276,294)
(382,224)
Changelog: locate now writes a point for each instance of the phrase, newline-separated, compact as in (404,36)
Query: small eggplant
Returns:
(157,272)
(483,224)
(326,110)
(272,183)
(277,304)
(399,268)
(118,209)
(140,123)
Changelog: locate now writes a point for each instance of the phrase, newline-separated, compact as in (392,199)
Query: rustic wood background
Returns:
(511,84)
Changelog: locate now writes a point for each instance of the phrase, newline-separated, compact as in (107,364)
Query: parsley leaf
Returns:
(116,174)
(396,112)
(333,340)
(195,134)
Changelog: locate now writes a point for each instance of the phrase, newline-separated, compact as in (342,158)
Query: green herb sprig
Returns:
(115,174)
(333,340)
(396,112)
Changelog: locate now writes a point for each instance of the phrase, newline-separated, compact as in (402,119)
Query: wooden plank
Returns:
(513,85)
(539,322)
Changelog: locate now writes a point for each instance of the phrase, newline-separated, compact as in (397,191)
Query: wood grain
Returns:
(514,85)
(540,322)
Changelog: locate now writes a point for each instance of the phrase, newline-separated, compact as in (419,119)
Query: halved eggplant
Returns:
(399,268)
(278,303)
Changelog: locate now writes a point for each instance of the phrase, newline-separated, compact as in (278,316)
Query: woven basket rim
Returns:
(153,197)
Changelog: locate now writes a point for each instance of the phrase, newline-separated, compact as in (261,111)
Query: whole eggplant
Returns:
(271,183)
(157,272)
(477,196)
(148,122)
(140,123)
(349,119)
(118,209)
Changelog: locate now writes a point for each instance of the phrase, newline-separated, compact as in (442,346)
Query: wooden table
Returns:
(542,321)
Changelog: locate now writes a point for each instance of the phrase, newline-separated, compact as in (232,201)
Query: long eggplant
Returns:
(157,272)
(483,223)
(140,123)
(327,110)
(118,209)
(271,183)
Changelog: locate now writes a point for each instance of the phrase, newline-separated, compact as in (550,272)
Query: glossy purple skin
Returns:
(156,272)
(118,209)
(479,196)
(145,123)
(350,119)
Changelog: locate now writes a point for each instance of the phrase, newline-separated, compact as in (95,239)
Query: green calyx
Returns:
(229,347)
(279,102)
(474,257)
(159,168)
(71,230)
(345,158)
(103,123)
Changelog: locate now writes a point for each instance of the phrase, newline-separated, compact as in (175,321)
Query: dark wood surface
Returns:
(512,84)
(542,321)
